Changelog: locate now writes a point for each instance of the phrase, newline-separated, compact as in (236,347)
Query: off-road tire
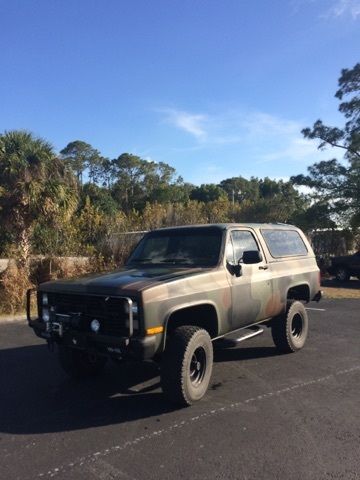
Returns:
(187,365)
(79,364)
(342,274)
(290,330)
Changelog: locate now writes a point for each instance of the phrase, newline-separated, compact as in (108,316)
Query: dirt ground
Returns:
(335,289)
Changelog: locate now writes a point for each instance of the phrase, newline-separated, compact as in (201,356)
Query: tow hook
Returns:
(55,327)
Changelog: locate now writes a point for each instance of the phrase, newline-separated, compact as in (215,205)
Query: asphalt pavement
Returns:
(266,416)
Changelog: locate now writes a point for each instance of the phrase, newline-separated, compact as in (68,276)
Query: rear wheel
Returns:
(78,364)
(290,330)
(342,274)
(187,365)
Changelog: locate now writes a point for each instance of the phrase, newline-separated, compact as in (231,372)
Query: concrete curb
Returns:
(12,319)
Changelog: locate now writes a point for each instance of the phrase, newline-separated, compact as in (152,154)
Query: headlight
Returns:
(134,308)
(45,315)
(95,325)
(45,299)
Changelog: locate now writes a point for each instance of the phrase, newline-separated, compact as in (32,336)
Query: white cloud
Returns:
(344,8)
(304,189)
(192,123)
(297,149)
(335,9)
(258,135)
(233,143)
(228,142)
(265,124)
(230,126)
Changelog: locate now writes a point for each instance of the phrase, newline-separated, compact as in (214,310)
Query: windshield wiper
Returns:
(140,260)
(176,260)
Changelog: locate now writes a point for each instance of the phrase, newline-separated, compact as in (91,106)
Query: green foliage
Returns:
(80,156)
(332,182)
(176,192)
(218,211)
(59,238)
(100,197)
(348,137)
(262,200)
(155,215)
(127,194)
(93,227)
(46,211)
(34,184)
(239,188)
(138,181)
(188,213)
(264,210)
(317,216)
(207,193)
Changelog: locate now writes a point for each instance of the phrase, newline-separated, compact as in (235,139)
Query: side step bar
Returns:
(246,334)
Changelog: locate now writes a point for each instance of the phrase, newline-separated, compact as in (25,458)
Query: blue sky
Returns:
(214,88)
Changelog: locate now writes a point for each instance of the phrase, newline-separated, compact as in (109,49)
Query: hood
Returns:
(121,281)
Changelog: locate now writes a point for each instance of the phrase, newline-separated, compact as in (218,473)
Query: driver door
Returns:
(251,292)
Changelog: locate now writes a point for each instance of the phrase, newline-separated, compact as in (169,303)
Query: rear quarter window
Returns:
(284,243)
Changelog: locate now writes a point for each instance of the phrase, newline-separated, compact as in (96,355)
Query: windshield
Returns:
(190,246)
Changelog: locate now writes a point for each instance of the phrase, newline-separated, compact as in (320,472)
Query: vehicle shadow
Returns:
(37,397)
(243,353)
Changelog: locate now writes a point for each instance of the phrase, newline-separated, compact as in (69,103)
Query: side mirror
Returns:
(252,256)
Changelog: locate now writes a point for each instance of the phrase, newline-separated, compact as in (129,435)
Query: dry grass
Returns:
(334,289)
(15,280)
(14,283)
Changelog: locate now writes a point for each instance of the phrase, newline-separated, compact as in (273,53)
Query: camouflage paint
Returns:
(257,295)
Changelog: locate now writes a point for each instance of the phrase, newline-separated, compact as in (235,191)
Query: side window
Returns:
(242,241)
(284,243)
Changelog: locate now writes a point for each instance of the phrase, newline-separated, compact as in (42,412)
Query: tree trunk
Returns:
(24,247)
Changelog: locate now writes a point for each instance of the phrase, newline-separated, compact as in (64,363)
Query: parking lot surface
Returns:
(266,416)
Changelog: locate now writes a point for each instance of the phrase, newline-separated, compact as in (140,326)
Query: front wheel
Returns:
(290,330)
(187,365)
(78,364)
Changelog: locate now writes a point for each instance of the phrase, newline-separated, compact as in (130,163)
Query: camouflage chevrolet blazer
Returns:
(182,290)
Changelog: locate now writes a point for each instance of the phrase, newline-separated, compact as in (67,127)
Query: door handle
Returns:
(263,267)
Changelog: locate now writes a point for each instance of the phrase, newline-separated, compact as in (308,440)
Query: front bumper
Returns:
(139,348)
(62,329)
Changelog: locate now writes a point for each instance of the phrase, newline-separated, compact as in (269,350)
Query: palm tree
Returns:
(33,183)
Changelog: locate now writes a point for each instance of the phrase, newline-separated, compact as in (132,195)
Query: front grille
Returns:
(110,311)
